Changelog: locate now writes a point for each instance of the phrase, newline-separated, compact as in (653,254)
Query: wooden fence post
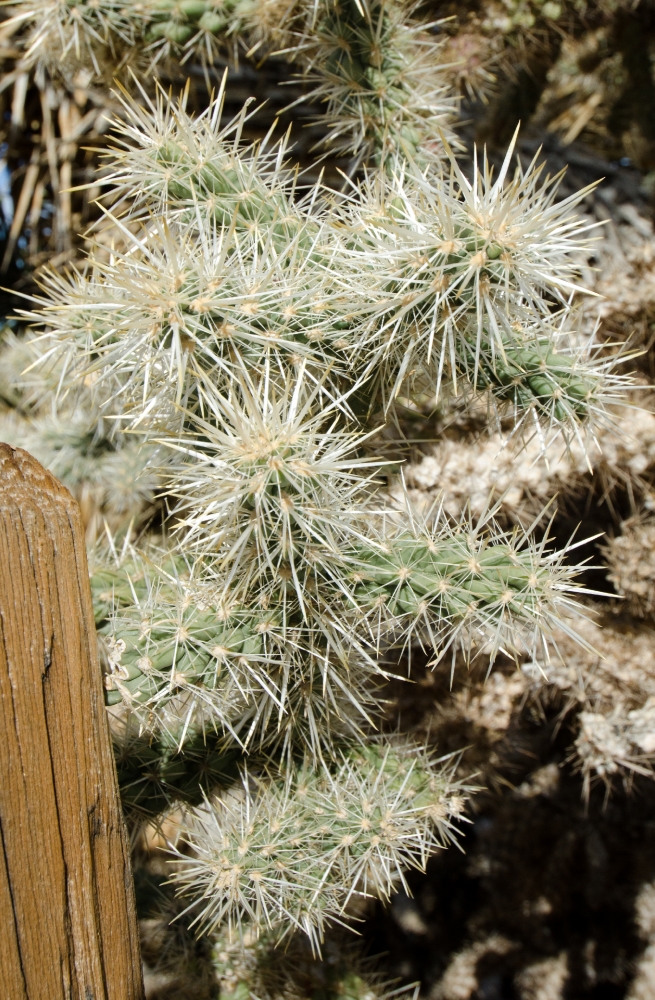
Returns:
(68,926)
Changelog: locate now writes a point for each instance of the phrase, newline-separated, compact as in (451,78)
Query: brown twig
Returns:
(21,209)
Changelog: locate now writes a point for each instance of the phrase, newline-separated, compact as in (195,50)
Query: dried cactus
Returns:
(631,565)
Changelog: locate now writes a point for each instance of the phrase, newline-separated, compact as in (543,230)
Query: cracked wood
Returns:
(67,920)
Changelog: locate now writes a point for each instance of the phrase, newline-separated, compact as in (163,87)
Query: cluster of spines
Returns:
(379,75)
(291,853)
(471,270)
(378,71)
(105,36)
(297,668)
(418,278)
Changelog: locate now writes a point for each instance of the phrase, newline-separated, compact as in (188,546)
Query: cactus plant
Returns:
(290,855)
(380,76)
(244,351)
(292,577)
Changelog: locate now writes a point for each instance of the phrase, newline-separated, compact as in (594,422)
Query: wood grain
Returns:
(67,920)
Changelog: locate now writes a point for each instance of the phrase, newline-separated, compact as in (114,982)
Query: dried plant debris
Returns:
(644,980)
(600,89)
(603,695)
(612,686)
(631,563)
(474,468)
(542,905)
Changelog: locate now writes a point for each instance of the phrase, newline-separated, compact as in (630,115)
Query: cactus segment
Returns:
(158,658)
(286,853)
(119,581)
(155,775)
(174,163)
(186,315)
(468,271)
(479,587)
(66,36)
(113,588)
(379,77)
(185,660)
(253,965)
(296,665)
(271,491)
(185,28)
(559,385)
(228,194)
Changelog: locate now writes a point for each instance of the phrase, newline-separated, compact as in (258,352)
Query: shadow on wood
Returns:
(67,920)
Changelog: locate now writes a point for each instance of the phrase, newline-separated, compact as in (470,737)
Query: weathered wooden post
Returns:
(68,926)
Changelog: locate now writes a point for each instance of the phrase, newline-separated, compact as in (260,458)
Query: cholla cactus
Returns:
(242,331)
(232,374)
(173,163)
(471,266)
(377,69)
(284,659)
(185,29)
(65,36)
(115,477)
(443,274)
(253,965)
(102,37)
(292,854)
(173,313)
(380,76)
